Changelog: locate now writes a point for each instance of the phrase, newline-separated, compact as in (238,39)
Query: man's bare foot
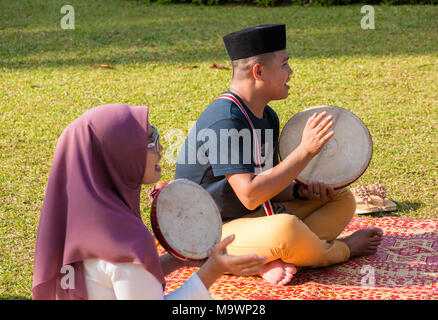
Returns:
(364,241)
(278,272)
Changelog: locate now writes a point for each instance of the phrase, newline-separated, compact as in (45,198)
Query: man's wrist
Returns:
(304,152)
(296,192)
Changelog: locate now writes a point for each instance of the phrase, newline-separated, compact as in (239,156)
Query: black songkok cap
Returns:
(257,40)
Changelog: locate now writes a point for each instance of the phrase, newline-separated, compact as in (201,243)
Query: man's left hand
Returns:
(316,191)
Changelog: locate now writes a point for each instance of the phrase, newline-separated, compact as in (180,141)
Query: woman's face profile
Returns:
(152,173)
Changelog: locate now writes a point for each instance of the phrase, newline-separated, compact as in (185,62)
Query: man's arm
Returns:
(285,195)
(253,190)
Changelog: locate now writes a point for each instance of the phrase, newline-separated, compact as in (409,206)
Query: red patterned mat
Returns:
(404,267)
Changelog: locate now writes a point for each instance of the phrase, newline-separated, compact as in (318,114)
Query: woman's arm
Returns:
(220,262)
(133,282)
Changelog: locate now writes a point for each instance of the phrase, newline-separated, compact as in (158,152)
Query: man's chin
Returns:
(282,96)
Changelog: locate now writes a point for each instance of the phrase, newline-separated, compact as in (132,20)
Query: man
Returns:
(233,153)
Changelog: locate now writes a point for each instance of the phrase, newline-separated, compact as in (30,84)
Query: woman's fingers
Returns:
(248,264)
(251,271)
(222,246)
(247,260)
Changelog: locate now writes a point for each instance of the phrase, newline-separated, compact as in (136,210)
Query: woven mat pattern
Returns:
(404,267)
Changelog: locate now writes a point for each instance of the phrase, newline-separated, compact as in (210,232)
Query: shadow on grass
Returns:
(407,206)
(183,33)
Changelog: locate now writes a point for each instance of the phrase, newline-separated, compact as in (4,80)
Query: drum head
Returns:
(343,159)
(188,220)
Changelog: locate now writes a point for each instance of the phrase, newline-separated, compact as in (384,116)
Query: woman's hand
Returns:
(220,262)
(316,133)
(239,265)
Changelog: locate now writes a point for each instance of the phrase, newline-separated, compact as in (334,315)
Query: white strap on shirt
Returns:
(129,281)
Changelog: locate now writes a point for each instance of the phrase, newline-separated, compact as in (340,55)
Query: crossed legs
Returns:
(304,236)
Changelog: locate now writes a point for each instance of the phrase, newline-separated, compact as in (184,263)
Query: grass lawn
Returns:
(160,56)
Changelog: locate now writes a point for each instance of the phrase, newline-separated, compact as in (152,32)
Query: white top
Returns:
(129,281)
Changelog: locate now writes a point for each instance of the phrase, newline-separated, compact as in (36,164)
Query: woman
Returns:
(91,242)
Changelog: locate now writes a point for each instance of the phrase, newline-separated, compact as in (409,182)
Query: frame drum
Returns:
(344,157)
(185,219)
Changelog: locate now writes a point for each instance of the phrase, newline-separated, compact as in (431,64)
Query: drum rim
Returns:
(367,131)
(157,230)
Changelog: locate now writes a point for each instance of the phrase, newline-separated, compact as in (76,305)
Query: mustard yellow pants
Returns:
(304,236)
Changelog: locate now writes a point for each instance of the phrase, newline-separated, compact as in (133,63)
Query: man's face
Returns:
(275,76)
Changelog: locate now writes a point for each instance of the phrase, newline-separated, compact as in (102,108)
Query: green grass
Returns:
(49,76)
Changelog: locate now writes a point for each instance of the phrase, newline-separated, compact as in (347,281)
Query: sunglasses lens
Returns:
(155,137)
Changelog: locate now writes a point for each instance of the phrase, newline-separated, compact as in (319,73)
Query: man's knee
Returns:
(351,201)
(346,198)
(287,228)
(295,239)
(286,221)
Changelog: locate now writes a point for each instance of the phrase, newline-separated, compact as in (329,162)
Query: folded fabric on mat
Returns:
(404,267)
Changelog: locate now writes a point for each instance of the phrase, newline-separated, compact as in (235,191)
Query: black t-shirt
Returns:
(221,143)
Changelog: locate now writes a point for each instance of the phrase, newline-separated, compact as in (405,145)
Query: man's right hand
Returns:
(253,190)
(316,133)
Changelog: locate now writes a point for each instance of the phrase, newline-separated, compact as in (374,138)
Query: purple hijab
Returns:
(91,206)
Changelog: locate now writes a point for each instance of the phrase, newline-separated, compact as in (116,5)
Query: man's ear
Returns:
(257,71)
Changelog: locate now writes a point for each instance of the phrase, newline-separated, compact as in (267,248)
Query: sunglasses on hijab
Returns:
(155,136)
